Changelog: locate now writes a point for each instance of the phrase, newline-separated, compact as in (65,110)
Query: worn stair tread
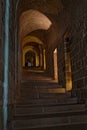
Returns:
(48,101)
(49,110)
(43,90)
(48,122)
(44,103)
(82,126)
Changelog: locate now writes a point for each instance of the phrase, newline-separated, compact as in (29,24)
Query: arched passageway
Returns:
(38,31)
(30,21)
(43,64)
(30,59)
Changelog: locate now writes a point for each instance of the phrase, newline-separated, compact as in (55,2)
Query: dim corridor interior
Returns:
(45,105)
(43,60)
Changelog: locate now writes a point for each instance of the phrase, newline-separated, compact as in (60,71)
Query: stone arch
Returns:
(25,50)
(32,20)
(30,59)
(29,38)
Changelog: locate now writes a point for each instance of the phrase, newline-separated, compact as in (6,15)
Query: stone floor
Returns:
(44,105)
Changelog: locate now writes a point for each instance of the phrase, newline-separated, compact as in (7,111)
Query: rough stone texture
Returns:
(61,64)
(72,16)
(79,47)
(78,58)
(11,54)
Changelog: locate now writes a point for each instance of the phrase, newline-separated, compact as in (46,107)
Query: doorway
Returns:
(30,60)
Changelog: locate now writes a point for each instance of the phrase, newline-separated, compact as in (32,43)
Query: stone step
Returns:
(63,127)
(45,92)
(50,101)
(37,78)
(38,87)
(40,84)
(49,110)
(27,124)
(35,91)
(43,96)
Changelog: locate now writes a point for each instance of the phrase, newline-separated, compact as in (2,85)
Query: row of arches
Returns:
(33,47)
(37,47)
(32,51)
(38,37)
(33,56)
(39,28)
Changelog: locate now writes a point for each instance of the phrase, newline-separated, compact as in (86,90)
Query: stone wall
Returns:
(51,36)
(2,19)
(49,63)
(79,49)
(62,25)
(61,64)
(78,46)
(11,53)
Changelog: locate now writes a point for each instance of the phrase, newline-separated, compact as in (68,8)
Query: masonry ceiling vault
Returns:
(33,20)
(39,15)
(30,39)
(43,64)
(45,6)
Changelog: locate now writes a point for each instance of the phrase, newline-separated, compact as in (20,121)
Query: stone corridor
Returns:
(43,64)
(43,104)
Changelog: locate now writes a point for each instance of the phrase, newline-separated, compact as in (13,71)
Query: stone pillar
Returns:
(61,64)
(55,65)
(67,64)
(40,60)
(50,63)
(44,59)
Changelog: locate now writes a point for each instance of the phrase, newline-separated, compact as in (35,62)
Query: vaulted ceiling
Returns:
(37,15)
(32,20)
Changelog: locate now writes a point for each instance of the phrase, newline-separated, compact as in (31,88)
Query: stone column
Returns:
(40,56)
(44,59)
(49,63)
(67,64)
(55,65)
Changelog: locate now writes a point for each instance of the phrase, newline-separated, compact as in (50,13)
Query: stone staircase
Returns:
(44,105)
